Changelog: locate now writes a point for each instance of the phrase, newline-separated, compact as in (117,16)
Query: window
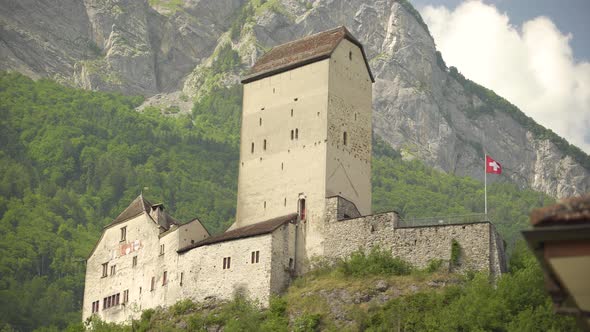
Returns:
(285,202)
(226,263)
(265,204)
(161,249)
(344,138)
(296,133)
(264,145)
(95,306)
(295,99)
(252,148)
(126,296)
(255,256)
(282,166)
(181,277)
(105,269)
(164,278)
(260,121)
(292,134)
(113,269)
(109,301)
(291,112)
(123,233)
(291,263)
(349,55)
(302,208)
(134,263)
(153,285)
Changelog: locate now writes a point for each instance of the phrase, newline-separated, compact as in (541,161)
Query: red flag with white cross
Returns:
(493,166)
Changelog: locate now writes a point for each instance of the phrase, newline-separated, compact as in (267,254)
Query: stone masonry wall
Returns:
(481,246)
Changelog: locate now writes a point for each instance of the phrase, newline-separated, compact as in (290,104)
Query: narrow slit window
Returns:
(349,55)
(255,257)
(165,278)
(264,145)
(105,269)
(134,263)
(260,121)
(296,133)
(292,134)
(285,202)
(123,233)
(153,284)
(265,204)
(252,148)
(181,277)
(282,166)
(161,249)
(291,112)
(302,208)
(344,138)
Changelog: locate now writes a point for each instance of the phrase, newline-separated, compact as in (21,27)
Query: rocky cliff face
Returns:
(420,108)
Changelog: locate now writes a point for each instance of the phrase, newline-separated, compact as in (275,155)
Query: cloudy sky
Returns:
(535,53)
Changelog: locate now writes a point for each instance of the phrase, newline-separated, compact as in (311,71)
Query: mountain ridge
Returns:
(422,108)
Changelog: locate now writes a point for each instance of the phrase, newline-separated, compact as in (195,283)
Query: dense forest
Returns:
(71,160)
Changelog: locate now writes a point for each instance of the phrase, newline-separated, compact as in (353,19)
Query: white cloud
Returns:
(532,65)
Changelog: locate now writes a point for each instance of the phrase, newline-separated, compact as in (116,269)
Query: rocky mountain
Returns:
(165,49)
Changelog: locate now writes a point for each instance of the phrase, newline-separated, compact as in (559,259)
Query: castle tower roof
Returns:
(302,52)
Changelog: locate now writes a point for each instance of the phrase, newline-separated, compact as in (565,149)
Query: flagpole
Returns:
(485,186)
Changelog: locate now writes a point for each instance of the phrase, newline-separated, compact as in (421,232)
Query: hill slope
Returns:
(71,160)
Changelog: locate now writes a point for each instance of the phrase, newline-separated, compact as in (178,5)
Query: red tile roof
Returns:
(302,52)
(263,227)
(575,210)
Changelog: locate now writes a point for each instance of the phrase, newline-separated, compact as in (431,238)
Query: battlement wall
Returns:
(480,247)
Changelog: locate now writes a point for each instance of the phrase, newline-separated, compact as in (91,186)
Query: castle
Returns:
(304,192)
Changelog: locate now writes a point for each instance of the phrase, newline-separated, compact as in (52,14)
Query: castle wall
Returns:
(142,241)
(204,275)
(348,167)
(481,246)
(270,180)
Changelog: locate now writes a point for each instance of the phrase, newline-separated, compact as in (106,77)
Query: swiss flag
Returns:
(493,166)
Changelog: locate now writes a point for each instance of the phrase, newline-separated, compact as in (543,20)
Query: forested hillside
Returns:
(71,160)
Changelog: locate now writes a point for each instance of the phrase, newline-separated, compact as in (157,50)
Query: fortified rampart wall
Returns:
(481,248)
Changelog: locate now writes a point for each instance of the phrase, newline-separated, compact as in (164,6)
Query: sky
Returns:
(534,53)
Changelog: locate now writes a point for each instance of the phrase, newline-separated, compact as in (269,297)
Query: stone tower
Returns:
(306,131)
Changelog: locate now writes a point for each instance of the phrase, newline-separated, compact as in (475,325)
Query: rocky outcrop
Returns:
(162,47)
(114,45)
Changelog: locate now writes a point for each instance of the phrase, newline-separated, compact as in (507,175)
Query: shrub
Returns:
(376,262)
